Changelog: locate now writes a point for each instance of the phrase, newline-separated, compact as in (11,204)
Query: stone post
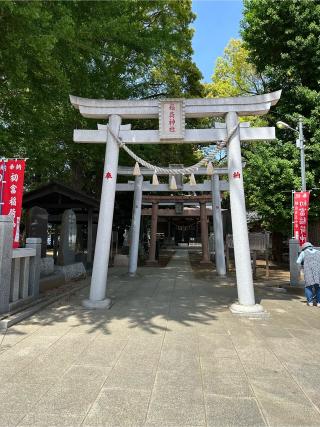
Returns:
(68,238)
(98,288)
(6,241)
(89,237)
(204,234)
(38,226)
(153,241)
(135,225)
(239,222)
(34,270)
(218,226)
(294,267)
(55,244)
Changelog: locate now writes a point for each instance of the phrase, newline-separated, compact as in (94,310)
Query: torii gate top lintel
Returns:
(194,107)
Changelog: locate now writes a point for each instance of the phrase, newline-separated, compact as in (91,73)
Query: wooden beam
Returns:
(177,198)
(190,212)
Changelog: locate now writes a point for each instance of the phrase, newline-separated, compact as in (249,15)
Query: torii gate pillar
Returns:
(239,222)
(218,226)
(135,225)
(98,289)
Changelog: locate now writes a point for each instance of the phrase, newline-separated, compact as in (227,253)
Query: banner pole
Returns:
(2,163)
(292,213)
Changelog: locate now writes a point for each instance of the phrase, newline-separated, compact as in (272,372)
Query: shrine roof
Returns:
(55,197)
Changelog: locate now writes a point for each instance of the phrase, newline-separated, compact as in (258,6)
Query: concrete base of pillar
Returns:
(223,276)
(96,305)
(151,263)
(247,310)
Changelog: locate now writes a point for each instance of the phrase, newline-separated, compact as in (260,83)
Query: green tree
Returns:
(283,43)
(233,74)
(272,167)
(112,50)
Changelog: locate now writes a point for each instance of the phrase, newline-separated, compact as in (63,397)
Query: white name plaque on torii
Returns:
(171,119)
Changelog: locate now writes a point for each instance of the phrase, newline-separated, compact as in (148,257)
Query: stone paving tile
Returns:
(180,343)
(50,420)
(10,419)
(71,396)
(20,398)
(119,407)
(217,346)
(80,376)
(102,352)
(284,414)
(51,365)
(175,359)
(227,412)
(173,407)
(68,399)
(232,385)
(289,350)
(282,388)
(259,361)
(132,377)
(220,365)
(180,379)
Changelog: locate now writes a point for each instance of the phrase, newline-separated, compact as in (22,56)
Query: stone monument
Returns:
(68,237)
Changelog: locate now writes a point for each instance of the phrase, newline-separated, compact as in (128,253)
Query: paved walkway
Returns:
(168,353)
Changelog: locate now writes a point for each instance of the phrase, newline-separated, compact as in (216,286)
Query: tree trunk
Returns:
(277,246)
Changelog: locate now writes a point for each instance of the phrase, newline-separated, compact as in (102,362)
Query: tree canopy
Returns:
(272,167)
(111,50)
(233,74)
(282,39)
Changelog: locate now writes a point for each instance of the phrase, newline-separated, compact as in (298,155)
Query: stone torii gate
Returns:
(172,114)
(215,186)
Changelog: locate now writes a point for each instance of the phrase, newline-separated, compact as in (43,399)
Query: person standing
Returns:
(309,258)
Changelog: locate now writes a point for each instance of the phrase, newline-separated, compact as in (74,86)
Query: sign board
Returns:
(171,119)
(11,192)
(300,216)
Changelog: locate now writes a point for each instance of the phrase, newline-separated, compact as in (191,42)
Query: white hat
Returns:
(306,245)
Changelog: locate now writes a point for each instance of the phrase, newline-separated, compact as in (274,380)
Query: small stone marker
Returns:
(68,237)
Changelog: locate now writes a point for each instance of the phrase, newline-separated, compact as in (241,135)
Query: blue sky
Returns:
(217,22)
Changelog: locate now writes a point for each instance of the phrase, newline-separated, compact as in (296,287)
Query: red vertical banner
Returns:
(300,218)
(11,192)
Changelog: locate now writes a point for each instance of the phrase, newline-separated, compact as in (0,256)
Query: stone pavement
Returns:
(168,353)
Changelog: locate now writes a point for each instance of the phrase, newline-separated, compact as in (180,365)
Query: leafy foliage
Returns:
(111,49)
(233,74)
(283,41)
(272,168)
